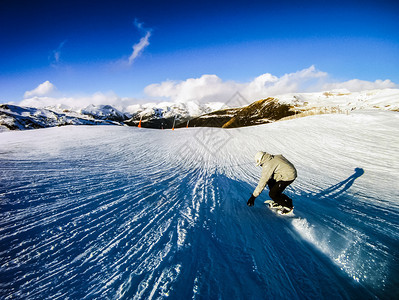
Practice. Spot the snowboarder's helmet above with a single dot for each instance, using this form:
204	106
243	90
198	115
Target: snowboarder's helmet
258	157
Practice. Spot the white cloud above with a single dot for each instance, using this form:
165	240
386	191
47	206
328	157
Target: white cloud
56	54
141	45
43	89
206	88
210	88
266	85
78	102
356	85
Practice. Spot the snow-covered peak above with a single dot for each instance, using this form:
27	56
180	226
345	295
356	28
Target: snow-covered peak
171	109
103	112
386	99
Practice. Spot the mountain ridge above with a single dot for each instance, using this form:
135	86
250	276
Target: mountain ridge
168	115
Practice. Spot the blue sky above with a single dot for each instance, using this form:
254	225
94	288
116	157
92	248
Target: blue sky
85	47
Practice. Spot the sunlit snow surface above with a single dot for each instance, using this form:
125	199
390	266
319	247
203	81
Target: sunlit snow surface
115	212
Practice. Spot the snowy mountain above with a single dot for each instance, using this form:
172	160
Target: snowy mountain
113	212
260	112
385	99
164	115
15	117
299	105
193	114
105	112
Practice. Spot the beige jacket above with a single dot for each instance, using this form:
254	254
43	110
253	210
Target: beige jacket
276	167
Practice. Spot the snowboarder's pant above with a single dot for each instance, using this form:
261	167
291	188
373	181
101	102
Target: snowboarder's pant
276	189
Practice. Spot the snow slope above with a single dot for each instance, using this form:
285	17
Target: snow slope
383	99
121	212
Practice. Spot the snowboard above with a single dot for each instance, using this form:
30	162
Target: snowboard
278	209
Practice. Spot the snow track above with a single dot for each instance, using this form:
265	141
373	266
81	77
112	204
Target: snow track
123	213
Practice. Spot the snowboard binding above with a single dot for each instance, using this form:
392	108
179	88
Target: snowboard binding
281	210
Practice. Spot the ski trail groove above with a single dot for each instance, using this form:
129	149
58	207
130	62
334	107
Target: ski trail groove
122	213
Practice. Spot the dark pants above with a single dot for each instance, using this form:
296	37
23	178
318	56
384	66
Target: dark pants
276	189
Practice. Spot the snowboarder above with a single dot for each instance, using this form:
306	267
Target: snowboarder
277	173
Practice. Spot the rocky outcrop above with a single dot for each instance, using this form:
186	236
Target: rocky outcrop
260	112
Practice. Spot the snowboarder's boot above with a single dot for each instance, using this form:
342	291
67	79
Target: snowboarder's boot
274	205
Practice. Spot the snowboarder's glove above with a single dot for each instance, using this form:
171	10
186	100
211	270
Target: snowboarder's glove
251	201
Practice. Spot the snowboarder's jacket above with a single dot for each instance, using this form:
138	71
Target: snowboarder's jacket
276	167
